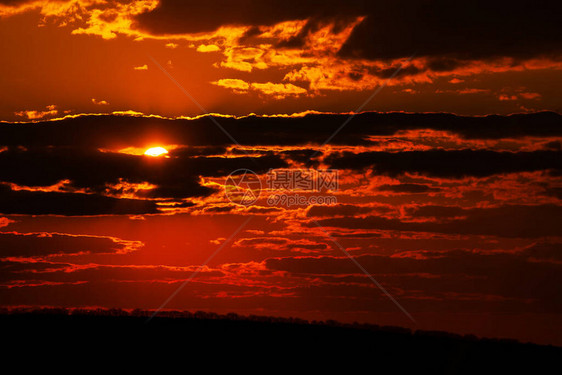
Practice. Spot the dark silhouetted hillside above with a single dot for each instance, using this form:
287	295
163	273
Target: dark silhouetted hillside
120	338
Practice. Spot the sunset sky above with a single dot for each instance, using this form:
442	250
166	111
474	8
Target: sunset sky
442	119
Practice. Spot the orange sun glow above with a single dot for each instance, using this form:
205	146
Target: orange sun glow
156	151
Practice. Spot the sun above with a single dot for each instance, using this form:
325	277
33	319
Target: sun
156	151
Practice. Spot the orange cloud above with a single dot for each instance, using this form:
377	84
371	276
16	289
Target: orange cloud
61	186
4	222
530	95
99	102
237	85
507	97
35	115
208	48
276	90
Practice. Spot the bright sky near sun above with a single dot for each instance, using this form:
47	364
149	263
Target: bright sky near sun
156	151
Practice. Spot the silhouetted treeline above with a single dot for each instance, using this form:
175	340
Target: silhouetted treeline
204	315
118	334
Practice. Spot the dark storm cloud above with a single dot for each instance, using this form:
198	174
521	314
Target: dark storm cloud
408	188
445	30
102	173
95	170
504	221
45	153
114	132
11	269
450	164
29	245
70	204
178	17
396	72
175	177
197	151
39	272
435	211
466	30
